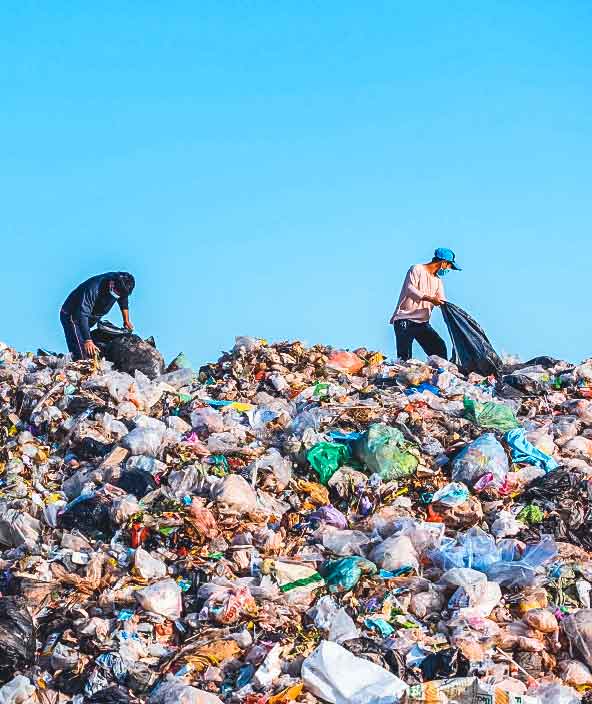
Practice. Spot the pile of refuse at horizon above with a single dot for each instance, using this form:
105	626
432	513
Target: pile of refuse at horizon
293	524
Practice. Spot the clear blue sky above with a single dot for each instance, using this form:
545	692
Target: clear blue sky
273	168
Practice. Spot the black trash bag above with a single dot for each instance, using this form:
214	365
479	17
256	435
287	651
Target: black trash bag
17	637
544	361
137	482
128	352
110	695
89	449
444	664
529	387
90	516
471	350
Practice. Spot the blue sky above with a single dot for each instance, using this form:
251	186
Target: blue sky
273	169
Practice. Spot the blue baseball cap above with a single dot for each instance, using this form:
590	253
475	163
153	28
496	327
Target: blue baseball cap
446	255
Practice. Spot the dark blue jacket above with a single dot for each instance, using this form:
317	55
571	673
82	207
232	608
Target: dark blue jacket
93	299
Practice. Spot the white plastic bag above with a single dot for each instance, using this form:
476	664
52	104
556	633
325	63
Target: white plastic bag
162	598
342	628
148	567
336	676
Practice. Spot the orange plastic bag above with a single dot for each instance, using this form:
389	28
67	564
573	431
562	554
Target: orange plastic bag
345	361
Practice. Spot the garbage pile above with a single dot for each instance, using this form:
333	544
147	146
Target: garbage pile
293	524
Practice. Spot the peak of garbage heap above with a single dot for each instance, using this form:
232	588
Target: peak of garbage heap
294	523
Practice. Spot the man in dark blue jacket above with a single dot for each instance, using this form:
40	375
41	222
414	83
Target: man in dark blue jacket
88	303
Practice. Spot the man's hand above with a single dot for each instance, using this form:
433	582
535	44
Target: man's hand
433	300
90	348
127	323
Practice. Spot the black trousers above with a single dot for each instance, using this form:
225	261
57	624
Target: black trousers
430	342
73	336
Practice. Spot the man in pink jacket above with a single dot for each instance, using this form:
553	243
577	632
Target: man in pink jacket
422	290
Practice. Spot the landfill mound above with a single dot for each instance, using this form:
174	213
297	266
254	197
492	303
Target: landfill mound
295	524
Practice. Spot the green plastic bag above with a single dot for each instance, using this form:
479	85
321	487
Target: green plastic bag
326	458
493	415
531	514
343	575
384	451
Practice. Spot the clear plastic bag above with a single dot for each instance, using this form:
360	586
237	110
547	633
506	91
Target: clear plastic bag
143	441
207	419
578	630
395	553
178	378
175	691
474	548
18	691
344	542
484	457
235	493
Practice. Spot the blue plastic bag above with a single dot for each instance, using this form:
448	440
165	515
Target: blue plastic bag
525	451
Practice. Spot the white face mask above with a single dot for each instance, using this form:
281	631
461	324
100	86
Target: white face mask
115	295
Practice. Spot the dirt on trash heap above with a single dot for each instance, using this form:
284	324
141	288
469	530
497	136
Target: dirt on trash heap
295	524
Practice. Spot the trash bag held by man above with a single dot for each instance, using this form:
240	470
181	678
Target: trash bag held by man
127	351
472	351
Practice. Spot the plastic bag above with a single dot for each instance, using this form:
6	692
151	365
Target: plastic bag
471	350
18	691
127	351
178	378
555	693
542	439
345	361
575	673
143	441
345	542
524	451
17	636
484	456
395	553
175	691
162	598
578	630
505	525
541	620
474	548
203	519
235	493
329	515
336	676
342	628
147	566
18	529
326	458
424	603
343	575
452	494
496	416
524	571
136	482
383	450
